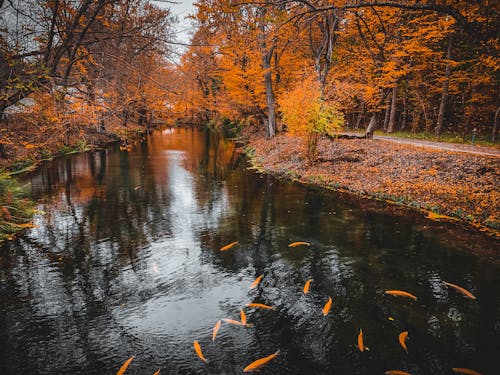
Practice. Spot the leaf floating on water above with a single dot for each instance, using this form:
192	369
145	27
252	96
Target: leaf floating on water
227	247
258	364
327	307
197	349
307	285
396	372
402	340
400	293
260	305
299	243
216	329
467	371
465	292
125	365
256	282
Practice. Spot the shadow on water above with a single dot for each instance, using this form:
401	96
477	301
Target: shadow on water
124	261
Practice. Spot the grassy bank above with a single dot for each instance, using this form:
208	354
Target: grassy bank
442	185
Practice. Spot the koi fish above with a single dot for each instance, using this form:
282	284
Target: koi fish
256	282
243	317
295	244
327	307
232	321
197	349
307	285
396	372
461	290
402	338
157	372
125	365
465	371
227	247
400	293
361	346
391	318
215	330
260	305
256	365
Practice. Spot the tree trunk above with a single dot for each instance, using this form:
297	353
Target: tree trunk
372	126
495	125
403	115
360	116
392	116
268	81
446	85
386	116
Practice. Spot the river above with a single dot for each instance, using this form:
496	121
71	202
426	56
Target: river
124	260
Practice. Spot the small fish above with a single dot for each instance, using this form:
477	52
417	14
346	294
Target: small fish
227	247
390	318
260	305
232	321
197	349
256	282
295	244
125	365
396	372
256	365
400	293
157	372
137	188
461	290
402	338
243	317
215	330
465	371
154	267
327	307
307	285
361	345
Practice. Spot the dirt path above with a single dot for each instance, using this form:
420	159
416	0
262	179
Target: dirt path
455	147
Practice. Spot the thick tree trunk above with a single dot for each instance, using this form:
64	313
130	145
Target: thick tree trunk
444	94
495	125
372	126
392	116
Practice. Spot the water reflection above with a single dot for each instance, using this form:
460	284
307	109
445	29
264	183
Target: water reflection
124	261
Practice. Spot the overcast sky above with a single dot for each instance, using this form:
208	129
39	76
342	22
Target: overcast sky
181	9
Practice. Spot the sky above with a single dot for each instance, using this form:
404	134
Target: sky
181	9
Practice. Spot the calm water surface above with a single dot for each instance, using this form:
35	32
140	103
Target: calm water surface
124	261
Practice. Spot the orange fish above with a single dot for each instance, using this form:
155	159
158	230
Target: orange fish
295	244
361	346
402	338
243	317
400	293
327	307
215	330
461	290
256	282
465	371
157	372
125	365
227	247
307	285
260	305
232	321
197	349
396	372
256	365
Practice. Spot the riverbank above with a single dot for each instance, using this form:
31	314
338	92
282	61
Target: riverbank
441	184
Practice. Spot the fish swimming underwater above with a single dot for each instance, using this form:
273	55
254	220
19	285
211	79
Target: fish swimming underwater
299	243
216	329
256	282
402	340
327	307
260	305
400	293
465	292
256	365
307	286
227	247
197	349
125	365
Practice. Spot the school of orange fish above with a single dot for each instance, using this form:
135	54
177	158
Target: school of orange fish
261	362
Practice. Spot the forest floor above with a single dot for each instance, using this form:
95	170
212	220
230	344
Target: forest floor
446	184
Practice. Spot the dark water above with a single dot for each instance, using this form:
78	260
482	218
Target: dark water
124	261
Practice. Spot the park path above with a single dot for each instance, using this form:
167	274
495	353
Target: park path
455	147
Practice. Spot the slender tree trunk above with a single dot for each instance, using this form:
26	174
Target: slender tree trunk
392	116
403	115
386	116
372	126
268	81
495	125
360	116
446	85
